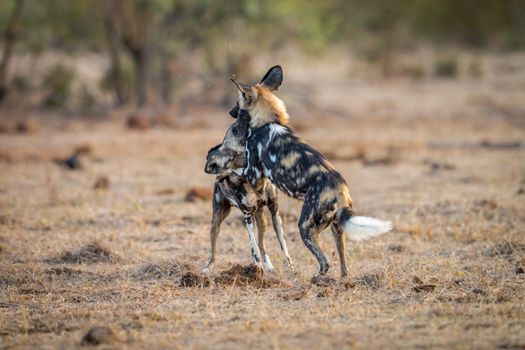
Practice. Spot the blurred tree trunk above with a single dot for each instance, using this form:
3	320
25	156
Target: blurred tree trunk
134	22
166	55
115	72
167	80
10	37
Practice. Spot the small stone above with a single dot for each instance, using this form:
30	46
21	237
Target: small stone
99	335
424	288
417	280
324	293
29	126
198	193
102	183
479	291
323	281
138	122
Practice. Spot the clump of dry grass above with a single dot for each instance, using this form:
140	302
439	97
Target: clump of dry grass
504	247
236	276
91	253
192	279
244	276
323	281
294	293
101	183
64	271
172	270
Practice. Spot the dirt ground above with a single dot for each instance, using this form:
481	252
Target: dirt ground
443	159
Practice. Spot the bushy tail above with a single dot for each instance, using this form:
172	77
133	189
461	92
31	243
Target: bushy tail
360	228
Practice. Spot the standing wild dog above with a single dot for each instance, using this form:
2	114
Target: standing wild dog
273	151
231	189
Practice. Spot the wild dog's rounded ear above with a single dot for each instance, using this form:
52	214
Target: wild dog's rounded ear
273	78
234	112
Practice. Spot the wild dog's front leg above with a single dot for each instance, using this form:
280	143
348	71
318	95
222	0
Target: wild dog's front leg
256	253
278	227
261	230
221	209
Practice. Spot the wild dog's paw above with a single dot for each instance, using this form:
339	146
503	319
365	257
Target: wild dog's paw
267	264
207	268
288	264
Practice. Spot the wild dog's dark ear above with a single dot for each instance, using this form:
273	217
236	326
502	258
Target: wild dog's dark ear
235	110
273	78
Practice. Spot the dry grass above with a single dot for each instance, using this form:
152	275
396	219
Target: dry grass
128	257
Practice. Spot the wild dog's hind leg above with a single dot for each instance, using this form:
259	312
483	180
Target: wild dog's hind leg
221	209
256	253
310	234
316	215
278	227
261	230
339	237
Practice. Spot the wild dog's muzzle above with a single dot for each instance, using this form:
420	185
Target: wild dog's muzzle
223	160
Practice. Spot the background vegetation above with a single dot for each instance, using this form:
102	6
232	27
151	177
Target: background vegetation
154	46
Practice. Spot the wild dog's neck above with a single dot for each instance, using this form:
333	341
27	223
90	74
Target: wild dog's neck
233	175
268	109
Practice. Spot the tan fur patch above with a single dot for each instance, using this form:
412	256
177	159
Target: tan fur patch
328	194
314	169
290	159
344	199
267	108
280	141
251	198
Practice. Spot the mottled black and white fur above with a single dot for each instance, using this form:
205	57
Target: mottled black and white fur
275	152
233	190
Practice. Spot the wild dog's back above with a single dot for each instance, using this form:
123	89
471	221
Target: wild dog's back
275	152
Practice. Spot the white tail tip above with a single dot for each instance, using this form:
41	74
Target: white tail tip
360	228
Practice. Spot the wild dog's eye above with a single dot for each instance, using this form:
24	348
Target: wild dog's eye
235	132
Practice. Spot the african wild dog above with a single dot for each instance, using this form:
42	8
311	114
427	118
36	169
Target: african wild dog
231	189
273	151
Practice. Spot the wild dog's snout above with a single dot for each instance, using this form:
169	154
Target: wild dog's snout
211	166
234	112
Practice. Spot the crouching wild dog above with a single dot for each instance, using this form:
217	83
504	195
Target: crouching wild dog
231	189
273	151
